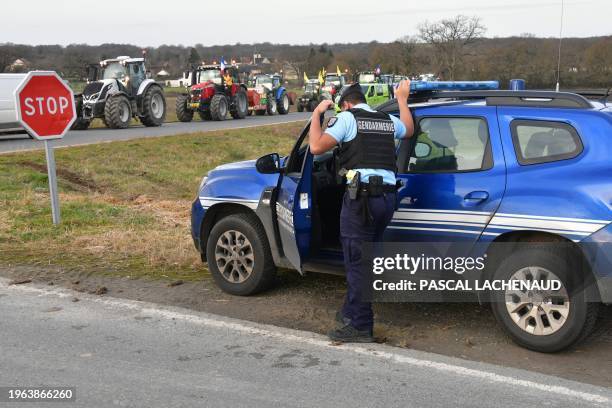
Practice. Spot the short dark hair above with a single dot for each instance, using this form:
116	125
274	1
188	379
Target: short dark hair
354	98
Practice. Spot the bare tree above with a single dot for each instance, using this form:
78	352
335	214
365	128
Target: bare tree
450	38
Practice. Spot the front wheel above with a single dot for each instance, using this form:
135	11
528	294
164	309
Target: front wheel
218	107
283	103
183	112
544	320
239	256
80	123
300	107
117	112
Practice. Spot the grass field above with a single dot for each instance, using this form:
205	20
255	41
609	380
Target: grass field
125	205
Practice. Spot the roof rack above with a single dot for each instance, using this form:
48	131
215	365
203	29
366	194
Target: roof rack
598	94
540	99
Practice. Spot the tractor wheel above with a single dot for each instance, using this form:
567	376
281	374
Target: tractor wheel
80	123
312	105
271	108
117	112
183	113
153	107
260	112
218	107
300	107
204	115
283	103
241	105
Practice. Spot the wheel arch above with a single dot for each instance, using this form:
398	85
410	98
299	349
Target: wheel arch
215	213
499	253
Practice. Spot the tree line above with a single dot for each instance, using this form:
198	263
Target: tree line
453	49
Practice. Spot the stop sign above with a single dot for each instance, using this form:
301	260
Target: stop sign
45	105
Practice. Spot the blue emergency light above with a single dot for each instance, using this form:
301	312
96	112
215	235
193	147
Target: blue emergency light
430	86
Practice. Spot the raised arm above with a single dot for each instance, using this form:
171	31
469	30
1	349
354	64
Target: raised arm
402	94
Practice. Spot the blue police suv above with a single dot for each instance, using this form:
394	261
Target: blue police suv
484	167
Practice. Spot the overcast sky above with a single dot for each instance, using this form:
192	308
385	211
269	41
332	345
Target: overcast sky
155	22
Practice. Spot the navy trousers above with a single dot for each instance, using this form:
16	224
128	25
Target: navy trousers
354	231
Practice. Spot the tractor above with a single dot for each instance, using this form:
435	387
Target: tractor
311	97
118	90
267	94
332	85
214	92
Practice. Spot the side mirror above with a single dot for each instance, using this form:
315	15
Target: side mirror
268	164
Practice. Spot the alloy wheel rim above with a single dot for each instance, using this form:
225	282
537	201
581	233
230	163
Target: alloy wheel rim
234	256
538	312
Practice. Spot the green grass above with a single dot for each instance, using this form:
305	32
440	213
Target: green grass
124	205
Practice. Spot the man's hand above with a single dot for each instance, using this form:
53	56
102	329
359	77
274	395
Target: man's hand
323	106
403	90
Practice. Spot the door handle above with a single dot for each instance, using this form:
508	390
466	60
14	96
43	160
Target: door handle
476	197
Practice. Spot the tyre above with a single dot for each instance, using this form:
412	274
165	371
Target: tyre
260	112
549	320
283	103
153	107
218	107
241	105
312	105
271	107
239	256
204	115
117	112
300	107
80	123
183	113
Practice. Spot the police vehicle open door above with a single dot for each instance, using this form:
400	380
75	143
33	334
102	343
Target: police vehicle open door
294	202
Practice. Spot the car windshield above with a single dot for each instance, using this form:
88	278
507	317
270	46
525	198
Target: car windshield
213	75
114	70
366	78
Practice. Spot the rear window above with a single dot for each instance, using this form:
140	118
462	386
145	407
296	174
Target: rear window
543	142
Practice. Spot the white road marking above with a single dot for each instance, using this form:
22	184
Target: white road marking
373	351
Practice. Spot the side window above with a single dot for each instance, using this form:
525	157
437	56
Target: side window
371	91
449	145
542	142
379	90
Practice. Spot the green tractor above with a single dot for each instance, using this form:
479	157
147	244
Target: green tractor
311	97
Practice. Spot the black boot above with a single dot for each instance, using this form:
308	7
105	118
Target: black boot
341	319
349	334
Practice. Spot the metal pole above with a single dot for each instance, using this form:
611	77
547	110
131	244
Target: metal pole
55	208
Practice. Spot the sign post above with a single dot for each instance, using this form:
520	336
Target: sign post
45	108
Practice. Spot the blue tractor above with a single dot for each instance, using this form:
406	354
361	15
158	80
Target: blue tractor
274	92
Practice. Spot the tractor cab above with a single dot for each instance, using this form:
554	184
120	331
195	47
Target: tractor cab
367	77
333	83
130	72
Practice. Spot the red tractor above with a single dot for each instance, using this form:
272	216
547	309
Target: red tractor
213	94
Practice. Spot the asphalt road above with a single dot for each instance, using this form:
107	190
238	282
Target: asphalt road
134	354
20	142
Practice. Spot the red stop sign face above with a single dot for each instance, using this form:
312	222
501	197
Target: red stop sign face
45	105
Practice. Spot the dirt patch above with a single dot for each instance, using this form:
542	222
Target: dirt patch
67	175
466	331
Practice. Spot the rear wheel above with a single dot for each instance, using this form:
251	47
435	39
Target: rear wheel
218	107
544	320
153	107
117	112
283	105
183	113
239	256
241	105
